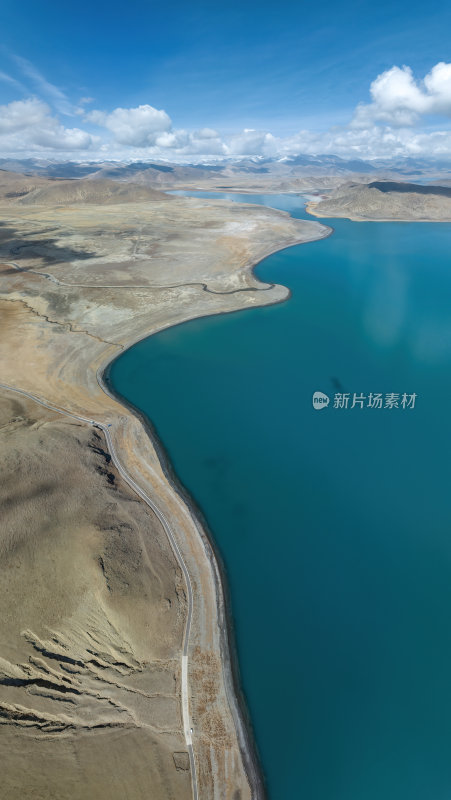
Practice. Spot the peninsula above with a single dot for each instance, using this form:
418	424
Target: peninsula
386	200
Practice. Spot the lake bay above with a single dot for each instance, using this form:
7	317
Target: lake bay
334	524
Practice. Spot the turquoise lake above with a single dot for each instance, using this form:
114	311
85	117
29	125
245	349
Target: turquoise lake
334	524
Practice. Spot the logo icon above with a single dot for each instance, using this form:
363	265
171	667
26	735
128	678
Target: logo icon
320	400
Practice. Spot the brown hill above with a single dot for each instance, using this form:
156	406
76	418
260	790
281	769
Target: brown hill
14	185
101	192
385	200
34	190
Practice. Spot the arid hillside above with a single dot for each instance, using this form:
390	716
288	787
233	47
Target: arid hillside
92	621
32	190
385	200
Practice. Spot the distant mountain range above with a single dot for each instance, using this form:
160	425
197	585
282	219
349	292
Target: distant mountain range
227	174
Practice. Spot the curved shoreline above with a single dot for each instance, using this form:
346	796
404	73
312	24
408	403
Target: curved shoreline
228	649
229	654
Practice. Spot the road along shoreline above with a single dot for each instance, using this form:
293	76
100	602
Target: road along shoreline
229	655
228	652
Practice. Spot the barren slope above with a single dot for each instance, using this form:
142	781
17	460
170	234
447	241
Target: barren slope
91	623
33	190
385	200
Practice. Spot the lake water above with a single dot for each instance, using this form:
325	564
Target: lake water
334	524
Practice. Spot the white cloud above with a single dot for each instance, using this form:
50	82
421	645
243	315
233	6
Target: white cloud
438	86
389	125
251	142
398	99
146	127
28	126
22	114
205	142
171	139
137	127
206	133
377	141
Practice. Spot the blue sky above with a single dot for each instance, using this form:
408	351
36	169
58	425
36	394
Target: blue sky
275	68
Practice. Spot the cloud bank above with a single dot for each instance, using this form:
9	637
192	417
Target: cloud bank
144	126
28	126
406	116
